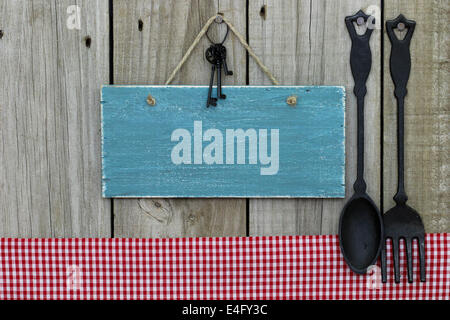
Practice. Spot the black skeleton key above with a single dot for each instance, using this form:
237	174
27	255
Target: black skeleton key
223	57
221	63
216	54
213	58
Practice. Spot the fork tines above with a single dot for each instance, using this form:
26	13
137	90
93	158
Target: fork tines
409	257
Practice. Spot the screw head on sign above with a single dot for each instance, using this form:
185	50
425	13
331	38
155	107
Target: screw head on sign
401	26
151	101
292	101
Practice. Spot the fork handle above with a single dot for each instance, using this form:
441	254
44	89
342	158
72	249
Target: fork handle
400	67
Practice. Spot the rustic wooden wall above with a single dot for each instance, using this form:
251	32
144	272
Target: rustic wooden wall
427	114
50	122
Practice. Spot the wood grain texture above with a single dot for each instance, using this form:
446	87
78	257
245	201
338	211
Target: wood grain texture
306	43
253	144
50	120
427	114
148	57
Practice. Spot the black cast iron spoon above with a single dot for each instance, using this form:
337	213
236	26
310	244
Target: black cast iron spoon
360	224
402	221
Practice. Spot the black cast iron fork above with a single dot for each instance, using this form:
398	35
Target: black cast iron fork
402	222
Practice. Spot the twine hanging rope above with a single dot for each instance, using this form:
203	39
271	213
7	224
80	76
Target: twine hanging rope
241	40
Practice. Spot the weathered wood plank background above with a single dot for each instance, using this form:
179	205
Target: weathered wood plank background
49	119
50	173
427	115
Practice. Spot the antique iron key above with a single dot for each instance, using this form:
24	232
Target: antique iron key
216	54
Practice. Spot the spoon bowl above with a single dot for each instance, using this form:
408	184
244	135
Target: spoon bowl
360	233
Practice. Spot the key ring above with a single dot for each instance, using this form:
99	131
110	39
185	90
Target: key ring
218	20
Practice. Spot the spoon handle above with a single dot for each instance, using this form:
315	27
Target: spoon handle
400	67
360	63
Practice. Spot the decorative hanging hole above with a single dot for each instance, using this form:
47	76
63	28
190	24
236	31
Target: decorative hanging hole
292	101
151	101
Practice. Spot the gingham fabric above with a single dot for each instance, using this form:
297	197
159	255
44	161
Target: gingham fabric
285	267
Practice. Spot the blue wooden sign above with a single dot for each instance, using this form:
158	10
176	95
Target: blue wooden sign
253	144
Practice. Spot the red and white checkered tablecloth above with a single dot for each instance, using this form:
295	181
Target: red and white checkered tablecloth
284	267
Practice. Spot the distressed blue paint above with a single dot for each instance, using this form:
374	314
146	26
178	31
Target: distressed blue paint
136	141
